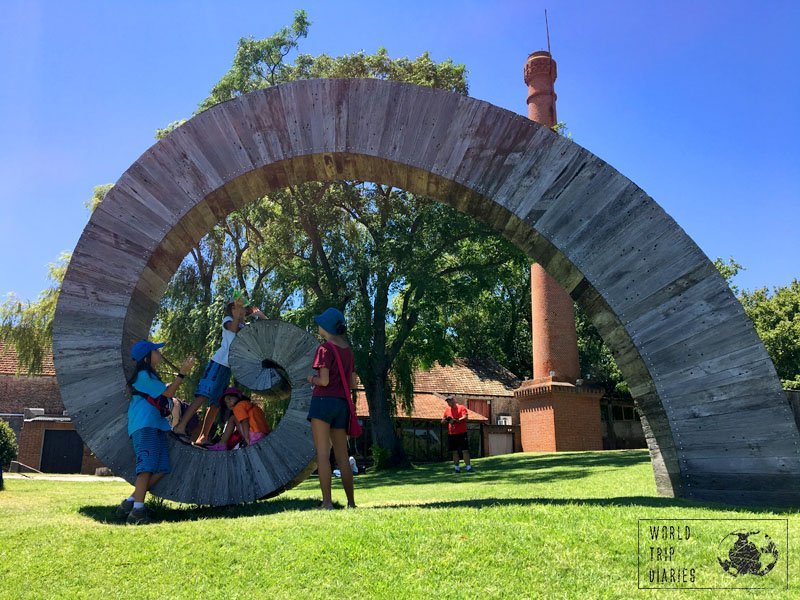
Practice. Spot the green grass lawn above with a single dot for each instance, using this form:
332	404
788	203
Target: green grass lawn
523	526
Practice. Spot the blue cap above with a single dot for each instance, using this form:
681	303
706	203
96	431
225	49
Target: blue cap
329	320
143	348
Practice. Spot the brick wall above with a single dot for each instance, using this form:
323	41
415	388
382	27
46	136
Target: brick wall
577	421
557	417
32	442
19	393
537	427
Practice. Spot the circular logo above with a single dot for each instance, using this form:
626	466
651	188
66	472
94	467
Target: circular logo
747	553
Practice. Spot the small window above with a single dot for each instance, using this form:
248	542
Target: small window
617	413
628	413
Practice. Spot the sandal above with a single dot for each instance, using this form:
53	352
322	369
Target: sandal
182	437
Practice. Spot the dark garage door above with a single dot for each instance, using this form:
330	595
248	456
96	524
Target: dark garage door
62	451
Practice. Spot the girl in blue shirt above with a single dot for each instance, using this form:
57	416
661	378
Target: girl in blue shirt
147	425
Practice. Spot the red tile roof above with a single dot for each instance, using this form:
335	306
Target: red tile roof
426	406
468	377
9	362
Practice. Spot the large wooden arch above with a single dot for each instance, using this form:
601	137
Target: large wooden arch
717	422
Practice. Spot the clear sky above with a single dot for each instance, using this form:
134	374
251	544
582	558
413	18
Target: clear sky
697	102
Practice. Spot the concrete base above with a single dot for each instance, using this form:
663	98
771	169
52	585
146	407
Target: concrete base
559	417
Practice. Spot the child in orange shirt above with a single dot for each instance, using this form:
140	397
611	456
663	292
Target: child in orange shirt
248	419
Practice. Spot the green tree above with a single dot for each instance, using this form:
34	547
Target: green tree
28	325
776	317
729	269
8	448
495	320
596	361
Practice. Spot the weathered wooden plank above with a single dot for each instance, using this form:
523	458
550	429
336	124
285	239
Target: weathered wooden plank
593	187
220	145
699	344
745	364
185	462
725	444
133	201
183	158
788	464
768	498
635	269
753	423
732	402
704	306
263	479
751	482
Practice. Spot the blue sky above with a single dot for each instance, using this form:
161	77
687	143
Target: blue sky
696	102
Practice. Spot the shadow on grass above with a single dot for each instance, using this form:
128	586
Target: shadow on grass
629	501
163	513
514	469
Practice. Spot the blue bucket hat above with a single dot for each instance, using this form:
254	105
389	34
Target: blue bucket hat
329	320
143	348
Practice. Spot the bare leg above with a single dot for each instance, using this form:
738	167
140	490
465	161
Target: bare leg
322	442
466	457
154	479
227	431
141	486
208	421
180	428
339	439
455	458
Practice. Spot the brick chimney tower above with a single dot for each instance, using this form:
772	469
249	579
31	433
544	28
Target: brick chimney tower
555	343
554	413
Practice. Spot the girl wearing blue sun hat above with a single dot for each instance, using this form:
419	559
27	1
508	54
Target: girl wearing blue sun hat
330	402
147	425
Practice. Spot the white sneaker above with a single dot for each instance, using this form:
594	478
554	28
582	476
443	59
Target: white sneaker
458	470
469	469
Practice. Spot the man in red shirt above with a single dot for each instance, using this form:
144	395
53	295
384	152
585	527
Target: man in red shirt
455	415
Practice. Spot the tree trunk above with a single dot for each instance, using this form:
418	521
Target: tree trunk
384	433
1	479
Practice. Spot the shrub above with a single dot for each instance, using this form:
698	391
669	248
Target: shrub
381	457
8	445
8	448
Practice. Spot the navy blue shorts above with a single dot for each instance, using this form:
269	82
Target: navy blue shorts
152	452
215	379
334	411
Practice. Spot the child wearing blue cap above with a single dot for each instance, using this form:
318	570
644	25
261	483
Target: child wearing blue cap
147	424
217	374
330	411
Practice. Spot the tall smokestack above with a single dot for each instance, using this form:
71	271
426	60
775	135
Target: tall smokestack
554	414
555	342
540	77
